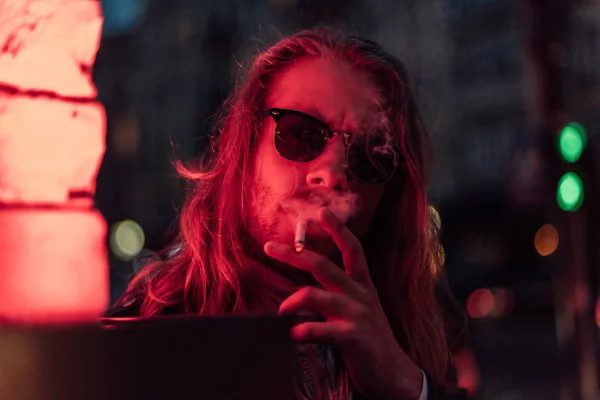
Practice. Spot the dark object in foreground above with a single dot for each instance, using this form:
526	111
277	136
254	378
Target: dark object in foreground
159	358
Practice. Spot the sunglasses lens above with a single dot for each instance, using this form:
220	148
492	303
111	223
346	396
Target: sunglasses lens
299	138
372	159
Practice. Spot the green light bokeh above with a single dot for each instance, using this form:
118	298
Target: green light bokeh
570	192
572	141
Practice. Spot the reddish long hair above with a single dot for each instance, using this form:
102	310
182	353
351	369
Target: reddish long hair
208	274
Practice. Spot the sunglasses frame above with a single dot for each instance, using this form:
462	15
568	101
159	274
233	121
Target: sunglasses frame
278	113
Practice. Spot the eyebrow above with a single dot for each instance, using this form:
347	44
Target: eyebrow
313	111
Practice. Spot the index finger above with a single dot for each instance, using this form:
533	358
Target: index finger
329	275
355	262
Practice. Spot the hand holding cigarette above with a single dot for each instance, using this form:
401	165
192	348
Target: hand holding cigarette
353	319
305	208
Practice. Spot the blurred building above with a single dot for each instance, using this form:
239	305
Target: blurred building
488	91
466	63
417	32
583	90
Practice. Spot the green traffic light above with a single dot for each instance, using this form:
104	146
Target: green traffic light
571	141
570	192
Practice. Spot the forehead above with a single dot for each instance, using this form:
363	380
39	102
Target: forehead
333	91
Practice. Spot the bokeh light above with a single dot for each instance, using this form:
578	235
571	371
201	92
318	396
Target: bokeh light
571	142
435	217
546	240
570	192
126	239
480	303
504	302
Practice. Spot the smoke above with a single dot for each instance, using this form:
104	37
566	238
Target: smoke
380	137
306	204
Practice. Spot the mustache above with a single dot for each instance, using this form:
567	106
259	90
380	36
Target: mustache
322	197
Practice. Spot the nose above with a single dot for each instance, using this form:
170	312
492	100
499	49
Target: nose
329	170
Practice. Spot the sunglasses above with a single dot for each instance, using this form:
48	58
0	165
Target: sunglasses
300	137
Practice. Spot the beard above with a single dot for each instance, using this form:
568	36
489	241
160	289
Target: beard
266	222
263	217
269	221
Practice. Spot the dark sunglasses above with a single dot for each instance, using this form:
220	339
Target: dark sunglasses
300	137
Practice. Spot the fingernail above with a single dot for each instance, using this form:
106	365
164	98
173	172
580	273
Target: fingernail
271	247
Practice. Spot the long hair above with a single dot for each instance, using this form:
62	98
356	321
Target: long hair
210	271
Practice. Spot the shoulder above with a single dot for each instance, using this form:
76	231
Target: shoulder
144	258
130	304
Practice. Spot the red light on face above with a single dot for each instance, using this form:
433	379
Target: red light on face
480	303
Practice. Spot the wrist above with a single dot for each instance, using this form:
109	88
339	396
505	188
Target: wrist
410	383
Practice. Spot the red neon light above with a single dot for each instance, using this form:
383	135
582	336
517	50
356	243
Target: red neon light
53	264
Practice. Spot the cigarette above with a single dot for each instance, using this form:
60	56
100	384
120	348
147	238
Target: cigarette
300	236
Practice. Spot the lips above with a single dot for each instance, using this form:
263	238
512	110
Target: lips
317	198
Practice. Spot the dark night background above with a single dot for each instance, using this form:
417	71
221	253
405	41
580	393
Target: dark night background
165	66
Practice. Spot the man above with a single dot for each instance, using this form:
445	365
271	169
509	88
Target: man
324	135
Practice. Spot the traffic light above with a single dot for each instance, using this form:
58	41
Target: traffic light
572	140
